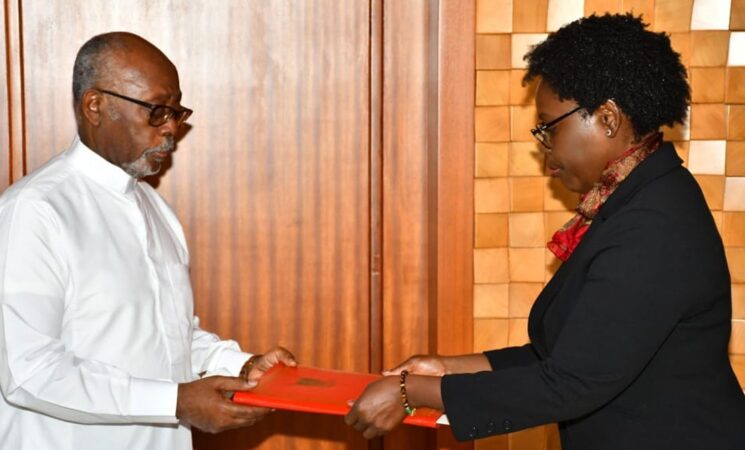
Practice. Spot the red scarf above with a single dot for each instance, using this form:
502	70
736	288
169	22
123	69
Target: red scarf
568	237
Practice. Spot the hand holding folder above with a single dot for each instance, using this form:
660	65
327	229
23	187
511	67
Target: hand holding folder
321	391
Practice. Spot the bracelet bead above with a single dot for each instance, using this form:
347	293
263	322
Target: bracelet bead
404	398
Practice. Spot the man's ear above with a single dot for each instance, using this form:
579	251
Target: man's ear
90	106
610	117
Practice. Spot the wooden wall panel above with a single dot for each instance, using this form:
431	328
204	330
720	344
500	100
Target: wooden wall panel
376	187
409	143
407	147
283	233
455	167
271	182
51	33
5	146
14	101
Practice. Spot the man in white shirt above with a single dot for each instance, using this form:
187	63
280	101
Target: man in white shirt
99	347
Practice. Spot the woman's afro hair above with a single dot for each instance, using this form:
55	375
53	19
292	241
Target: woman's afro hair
598	58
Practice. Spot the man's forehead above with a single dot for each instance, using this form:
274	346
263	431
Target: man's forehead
142	57
145	72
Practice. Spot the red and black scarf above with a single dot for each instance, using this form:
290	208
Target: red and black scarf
568	237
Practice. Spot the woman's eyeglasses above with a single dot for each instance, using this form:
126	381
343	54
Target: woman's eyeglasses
159	114
542	132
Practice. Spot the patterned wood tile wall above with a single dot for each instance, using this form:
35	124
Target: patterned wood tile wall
517	207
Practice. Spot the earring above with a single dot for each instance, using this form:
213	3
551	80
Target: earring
608	132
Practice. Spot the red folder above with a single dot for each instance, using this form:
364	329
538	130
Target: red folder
312	390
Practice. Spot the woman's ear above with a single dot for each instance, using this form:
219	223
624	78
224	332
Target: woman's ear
610	117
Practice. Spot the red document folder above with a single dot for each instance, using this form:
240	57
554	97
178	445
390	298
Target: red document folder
312	390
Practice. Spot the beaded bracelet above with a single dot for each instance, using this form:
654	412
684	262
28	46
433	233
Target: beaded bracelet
404	399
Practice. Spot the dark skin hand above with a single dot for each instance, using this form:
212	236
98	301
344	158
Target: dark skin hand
267	361
442	365
203	404
206	405
380	409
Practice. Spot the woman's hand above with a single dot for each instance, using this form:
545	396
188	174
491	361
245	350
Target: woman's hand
434	365
421	365
379	408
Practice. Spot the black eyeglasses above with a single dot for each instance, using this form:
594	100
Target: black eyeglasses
542	132
159	114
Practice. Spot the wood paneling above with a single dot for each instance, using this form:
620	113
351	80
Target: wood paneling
455	172
409	144
408	103
271	182
5	144
376	187
284	229
14	102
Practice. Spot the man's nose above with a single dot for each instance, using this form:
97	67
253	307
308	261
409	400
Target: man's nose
169	127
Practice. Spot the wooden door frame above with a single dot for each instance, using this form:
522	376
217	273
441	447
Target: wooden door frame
449	182
422	61
454	187
15	103
440	139
453	304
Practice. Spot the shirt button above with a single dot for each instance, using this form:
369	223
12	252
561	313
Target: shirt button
474	432
507	425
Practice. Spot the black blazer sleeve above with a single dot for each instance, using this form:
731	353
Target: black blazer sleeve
511	357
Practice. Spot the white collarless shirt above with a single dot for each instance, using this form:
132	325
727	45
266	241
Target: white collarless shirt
96	312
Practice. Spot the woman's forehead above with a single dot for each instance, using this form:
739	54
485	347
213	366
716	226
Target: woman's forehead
548	101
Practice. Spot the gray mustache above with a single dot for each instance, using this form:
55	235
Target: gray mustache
167	146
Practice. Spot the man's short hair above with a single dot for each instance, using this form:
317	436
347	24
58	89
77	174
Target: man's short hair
92	62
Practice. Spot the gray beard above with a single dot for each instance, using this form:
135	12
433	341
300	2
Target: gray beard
140	167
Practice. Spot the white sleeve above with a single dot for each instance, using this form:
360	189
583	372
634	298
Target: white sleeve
37	372
211	355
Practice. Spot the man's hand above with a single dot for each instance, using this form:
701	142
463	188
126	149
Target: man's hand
204	404
256	367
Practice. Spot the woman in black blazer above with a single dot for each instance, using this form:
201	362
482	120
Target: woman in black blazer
629	338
